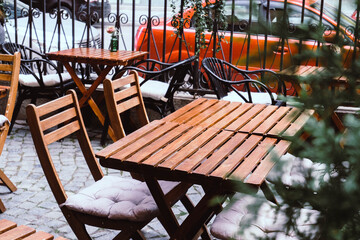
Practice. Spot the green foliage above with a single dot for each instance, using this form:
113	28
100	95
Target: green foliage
207	14
335	191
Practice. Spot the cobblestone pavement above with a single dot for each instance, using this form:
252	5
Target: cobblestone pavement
33	203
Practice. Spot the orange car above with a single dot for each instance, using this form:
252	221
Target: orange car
279	54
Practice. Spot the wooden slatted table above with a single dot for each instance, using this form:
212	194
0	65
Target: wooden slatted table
260	119
102	61
292	75
10	231
214	143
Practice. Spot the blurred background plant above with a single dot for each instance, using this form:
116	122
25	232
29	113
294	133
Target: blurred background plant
2	22
333	192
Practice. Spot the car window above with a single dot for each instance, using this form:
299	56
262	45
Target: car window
242	16
293	21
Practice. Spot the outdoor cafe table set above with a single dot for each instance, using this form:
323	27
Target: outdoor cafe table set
213	143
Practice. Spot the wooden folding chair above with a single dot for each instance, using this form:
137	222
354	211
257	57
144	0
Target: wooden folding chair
124	94
9	76
128	206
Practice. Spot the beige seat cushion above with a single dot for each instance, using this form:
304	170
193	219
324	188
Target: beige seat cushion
117	198
294	171
49	80
252	217
155	90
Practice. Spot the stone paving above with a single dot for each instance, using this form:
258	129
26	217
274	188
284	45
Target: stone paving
33	203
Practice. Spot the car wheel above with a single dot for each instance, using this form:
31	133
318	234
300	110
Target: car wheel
66	12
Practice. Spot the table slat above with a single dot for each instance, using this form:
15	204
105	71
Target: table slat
218	116
144	140
124	142
152	143
234	160
298	124
204	150
187	149
251	161
257	119
173	116
245	117
217	157
271	121
187	116
231	116
265	166
285	122
207	113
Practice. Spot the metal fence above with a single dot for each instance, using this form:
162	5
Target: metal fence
257	34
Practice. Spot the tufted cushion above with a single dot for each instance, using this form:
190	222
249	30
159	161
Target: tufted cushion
154	89
294	171
49	80
257	97
117	198
3	120
257	218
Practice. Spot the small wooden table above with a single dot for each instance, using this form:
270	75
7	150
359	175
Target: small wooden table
293	73
197	151
102	61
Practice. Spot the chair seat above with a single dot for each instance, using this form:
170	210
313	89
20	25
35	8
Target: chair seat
49	80
259	221
118	199
3	120
155	90
294	171
257	97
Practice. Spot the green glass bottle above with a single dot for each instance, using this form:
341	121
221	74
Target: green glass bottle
114	43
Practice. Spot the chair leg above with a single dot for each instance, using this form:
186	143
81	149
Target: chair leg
7	182
77	227
2	207
16	112
105	130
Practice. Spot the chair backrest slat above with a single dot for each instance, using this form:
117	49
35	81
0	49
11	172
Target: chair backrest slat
125	93
6	67
61	132
58	119
53	106
5	77
126	105
122	82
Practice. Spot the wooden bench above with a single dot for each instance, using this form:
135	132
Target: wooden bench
10	231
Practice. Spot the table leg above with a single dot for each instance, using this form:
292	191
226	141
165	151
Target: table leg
201	214
167	217
87	94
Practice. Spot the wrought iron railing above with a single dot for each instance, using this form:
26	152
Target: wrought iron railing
258	34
